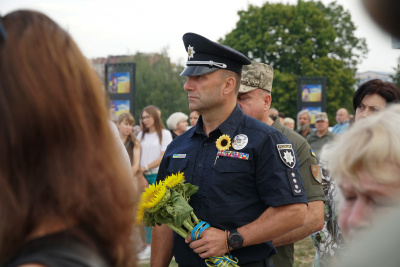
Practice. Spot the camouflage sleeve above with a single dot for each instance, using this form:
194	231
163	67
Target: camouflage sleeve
329	241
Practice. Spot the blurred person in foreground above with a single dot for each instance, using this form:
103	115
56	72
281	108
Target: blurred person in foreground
303	123
384	235
177	123
367	171
66	197
370	98
255	99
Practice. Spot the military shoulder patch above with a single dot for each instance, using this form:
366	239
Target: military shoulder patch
287	154
316	172
294	181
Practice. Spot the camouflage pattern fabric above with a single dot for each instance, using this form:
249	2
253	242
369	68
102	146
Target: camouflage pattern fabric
328	242
256	75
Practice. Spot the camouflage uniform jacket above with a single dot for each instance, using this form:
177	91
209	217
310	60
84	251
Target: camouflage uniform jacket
329	241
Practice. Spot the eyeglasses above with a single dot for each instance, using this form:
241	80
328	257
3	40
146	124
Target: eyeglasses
145	117
3	33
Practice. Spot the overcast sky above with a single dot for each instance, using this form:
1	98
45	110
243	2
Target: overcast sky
118	27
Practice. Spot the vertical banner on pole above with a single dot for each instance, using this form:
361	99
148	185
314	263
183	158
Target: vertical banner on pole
120	86
311	95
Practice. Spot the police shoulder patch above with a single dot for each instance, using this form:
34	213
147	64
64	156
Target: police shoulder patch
294	181
286	154
316	172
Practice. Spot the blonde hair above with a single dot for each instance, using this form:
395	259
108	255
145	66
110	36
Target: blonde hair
370	145
288	120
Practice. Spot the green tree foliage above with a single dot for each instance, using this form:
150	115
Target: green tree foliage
308	39
158	83
396	76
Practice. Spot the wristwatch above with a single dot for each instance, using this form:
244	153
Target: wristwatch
235	240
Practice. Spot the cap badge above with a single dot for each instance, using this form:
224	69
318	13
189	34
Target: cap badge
287	155
191	52
240	141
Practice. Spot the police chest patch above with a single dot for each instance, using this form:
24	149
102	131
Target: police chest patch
287	154
316	172
294	181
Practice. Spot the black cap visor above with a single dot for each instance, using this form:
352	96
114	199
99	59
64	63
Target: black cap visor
198	70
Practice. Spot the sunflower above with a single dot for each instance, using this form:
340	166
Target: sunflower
223	142
174	179
152	195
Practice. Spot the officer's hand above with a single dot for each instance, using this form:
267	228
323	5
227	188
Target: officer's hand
212	242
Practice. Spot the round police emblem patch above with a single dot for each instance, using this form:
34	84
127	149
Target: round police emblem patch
240	141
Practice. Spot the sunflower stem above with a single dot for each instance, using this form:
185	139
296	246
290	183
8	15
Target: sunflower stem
179	231
196	220
188	224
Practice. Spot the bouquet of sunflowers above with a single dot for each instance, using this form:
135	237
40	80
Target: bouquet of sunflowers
166	202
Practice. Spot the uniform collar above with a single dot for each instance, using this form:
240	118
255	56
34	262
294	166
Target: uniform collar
228	127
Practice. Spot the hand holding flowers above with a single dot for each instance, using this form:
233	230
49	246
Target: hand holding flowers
166	202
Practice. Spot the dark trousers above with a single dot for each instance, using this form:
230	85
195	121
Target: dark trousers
266	263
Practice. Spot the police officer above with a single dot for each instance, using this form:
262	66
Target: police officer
250	190
255	99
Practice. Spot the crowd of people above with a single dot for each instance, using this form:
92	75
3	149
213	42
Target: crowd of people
70	178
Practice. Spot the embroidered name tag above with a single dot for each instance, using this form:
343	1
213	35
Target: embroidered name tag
233	154
179	156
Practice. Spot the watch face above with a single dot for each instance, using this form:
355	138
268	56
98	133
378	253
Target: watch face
235	240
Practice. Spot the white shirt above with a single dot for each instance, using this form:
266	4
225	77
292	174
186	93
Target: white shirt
151	147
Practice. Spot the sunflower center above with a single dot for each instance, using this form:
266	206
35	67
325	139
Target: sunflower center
224	142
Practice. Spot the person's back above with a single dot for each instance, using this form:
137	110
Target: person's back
63	188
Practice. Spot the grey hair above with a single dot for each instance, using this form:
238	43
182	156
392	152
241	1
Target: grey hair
304	111
174	119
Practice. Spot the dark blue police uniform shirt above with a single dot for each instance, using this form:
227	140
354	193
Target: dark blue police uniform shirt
232	192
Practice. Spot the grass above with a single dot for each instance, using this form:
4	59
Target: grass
304	253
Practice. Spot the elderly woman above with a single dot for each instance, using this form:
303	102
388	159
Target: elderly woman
65	197
370	98
177	124
367	171
289	122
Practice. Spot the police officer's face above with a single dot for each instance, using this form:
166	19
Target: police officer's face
204	91
363	205
253	104
370	105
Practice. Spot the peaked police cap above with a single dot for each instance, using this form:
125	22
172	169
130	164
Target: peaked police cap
206	56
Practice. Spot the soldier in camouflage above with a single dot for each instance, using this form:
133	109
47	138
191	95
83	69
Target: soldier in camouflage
255	99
